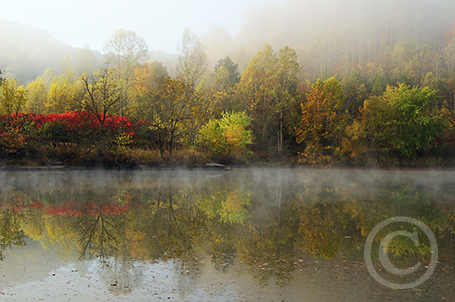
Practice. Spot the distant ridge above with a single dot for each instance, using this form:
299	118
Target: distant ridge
26	52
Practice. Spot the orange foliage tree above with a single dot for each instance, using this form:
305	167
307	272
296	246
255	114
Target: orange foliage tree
323	121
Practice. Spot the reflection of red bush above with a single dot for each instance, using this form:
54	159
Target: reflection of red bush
36	204
77	208
15	204
70	207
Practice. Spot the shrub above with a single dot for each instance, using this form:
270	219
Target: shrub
228	135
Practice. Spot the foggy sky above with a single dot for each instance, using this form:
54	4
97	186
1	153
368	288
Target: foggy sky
160	23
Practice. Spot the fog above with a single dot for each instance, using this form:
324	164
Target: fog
257	233
324	33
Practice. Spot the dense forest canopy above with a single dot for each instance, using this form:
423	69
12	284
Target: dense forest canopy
313	82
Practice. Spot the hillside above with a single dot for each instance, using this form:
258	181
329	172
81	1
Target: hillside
27	52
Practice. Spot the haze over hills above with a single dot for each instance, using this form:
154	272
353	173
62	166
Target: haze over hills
330	37
27	52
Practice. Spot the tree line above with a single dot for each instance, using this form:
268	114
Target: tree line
374	115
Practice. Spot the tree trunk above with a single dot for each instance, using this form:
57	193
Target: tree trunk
280	134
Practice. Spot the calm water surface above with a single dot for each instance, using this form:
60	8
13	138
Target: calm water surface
243	235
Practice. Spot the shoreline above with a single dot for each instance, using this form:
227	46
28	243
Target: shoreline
211	167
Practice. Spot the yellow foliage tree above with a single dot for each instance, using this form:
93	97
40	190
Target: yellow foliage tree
65	94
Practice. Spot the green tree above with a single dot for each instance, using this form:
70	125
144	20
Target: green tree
413	59
228	135
221	81
403	120
231	68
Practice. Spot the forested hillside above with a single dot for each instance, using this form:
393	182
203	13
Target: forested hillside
315	83
27	52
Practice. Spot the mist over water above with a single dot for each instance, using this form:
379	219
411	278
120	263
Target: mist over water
222	235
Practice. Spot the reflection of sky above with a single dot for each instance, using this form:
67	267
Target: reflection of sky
29	270
35	273
44	278
23	263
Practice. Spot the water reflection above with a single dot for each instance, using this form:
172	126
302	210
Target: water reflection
273	224
11	233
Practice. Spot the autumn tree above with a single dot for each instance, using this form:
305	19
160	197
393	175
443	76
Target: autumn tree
124	51
267	90
255	91
413	60
13	96
167	108
48	76
355	93
11	233
37	95
191	60
102	93
65	94
144	81
323	121
286	90
86	60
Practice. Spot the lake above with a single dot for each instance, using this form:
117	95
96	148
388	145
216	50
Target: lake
242	235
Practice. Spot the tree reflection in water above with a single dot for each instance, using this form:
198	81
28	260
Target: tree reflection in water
265	223
11	216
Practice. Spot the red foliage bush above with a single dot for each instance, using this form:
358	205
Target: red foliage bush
73	126
72	120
